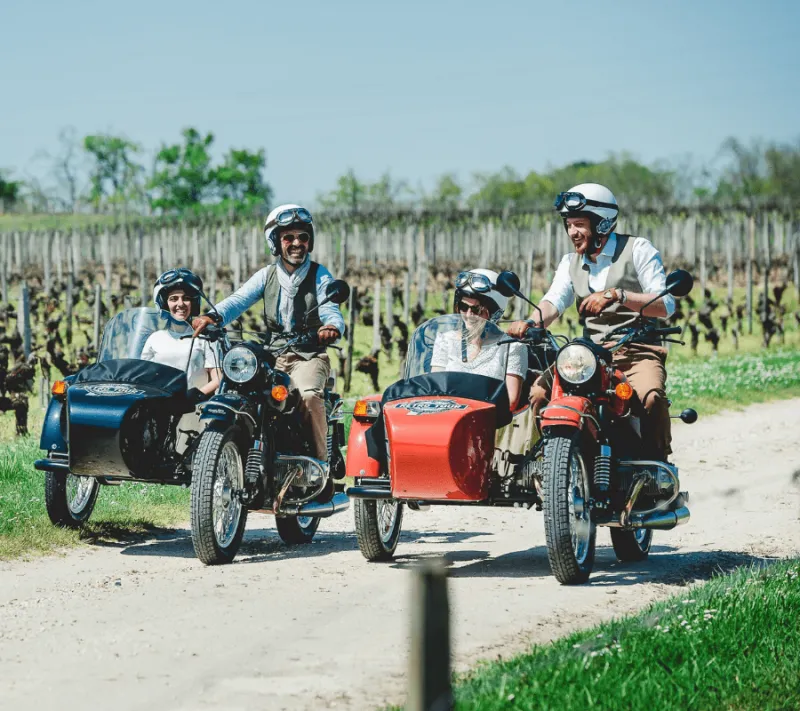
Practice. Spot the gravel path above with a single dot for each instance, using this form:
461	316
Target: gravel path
142	625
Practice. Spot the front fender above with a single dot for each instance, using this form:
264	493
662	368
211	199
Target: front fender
570	411
52	438
227	409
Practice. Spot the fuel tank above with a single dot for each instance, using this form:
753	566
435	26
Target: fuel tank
440	448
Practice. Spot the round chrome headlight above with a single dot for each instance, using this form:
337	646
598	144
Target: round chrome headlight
576	364
240	364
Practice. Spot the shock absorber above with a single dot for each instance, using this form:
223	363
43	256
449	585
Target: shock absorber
255	462
602	470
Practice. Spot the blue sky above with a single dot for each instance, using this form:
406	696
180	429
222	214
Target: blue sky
416	88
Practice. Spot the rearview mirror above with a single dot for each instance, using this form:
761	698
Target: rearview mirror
337	291
679	282
507	284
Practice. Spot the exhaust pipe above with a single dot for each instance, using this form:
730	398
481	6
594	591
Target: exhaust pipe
338	503
663	520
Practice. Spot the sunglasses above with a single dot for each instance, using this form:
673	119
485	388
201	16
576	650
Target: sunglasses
303	238
476	309
287	217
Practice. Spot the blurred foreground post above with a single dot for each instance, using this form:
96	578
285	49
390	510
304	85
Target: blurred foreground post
429	658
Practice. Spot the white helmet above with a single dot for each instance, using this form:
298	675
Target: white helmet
590	200
286	216
481	284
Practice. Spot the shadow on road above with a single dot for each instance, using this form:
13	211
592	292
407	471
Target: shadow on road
669	566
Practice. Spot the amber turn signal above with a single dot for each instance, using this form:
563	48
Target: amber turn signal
367	410
280	393
624	391
59	388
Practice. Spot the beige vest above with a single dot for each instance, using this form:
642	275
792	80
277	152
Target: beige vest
621	274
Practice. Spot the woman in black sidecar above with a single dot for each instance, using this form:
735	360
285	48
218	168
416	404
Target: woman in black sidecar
130	416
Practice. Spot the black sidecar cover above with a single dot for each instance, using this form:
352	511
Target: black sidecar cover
118	415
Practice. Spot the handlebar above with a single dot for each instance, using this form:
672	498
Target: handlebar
672	330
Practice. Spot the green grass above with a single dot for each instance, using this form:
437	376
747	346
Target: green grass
727	382
730	643
120	511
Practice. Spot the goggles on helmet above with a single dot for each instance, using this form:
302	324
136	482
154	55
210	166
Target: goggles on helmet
173	276
287	217
479	283
577	201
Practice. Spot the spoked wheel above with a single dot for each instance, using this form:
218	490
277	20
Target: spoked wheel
69	499
218	516
297	529
568	527
631	546
378	526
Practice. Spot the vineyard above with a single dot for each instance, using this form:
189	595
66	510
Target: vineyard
59	286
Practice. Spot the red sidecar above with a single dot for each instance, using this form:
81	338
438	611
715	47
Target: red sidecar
441	434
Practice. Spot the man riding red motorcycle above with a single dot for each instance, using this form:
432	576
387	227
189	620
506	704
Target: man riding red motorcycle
613	278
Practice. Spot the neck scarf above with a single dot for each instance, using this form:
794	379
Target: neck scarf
290	284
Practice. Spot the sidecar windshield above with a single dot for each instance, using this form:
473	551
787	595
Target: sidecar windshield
125	335
460	343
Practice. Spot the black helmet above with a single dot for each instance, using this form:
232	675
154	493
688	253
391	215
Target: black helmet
181	278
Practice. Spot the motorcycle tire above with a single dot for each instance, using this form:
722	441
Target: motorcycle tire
297	529
631	546
218	471
569	530
66	507
378	528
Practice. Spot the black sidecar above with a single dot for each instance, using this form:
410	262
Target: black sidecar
117	420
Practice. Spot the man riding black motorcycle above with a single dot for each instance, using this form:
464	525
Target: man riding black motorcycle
292	287
611	277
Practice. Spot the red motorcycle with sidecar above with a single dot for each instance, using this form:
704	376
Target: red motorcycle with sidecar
441	436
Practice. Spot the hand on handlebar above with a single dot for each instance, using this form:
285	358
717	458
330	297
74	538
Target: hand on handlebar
518	329
201	323
327	335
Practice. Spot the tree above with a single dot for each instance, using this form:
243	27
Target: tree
351	194
239	182
9	192
66	167
113	173
446	195
182	177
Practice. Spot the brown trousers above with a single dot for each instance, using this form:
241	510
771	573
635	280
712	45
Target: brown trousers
644	367
309	377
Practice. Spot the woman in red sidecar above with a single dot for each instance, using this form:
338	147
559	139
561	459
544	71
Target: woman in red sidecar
430	439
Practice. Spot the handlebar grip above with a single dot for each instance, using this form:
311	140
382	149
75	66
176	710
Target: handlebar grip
534	334
672	330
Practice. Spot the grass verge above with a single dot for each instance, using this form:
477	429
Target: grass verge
120	510
730	643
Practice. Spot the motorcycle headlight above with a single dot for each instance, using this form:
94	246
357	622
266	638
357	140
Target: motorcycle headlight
240	364
576	364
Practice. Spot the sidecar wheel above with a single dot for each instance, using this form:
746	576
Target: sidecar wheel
69	499
378	526
218	516
631	546
568	527
297	529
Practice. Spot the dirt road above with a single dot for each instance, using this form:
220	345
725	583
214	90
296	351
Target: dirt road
143	625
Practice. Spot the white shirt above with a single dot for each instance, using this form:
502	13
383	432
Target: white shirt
167	348
489	361
646	261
